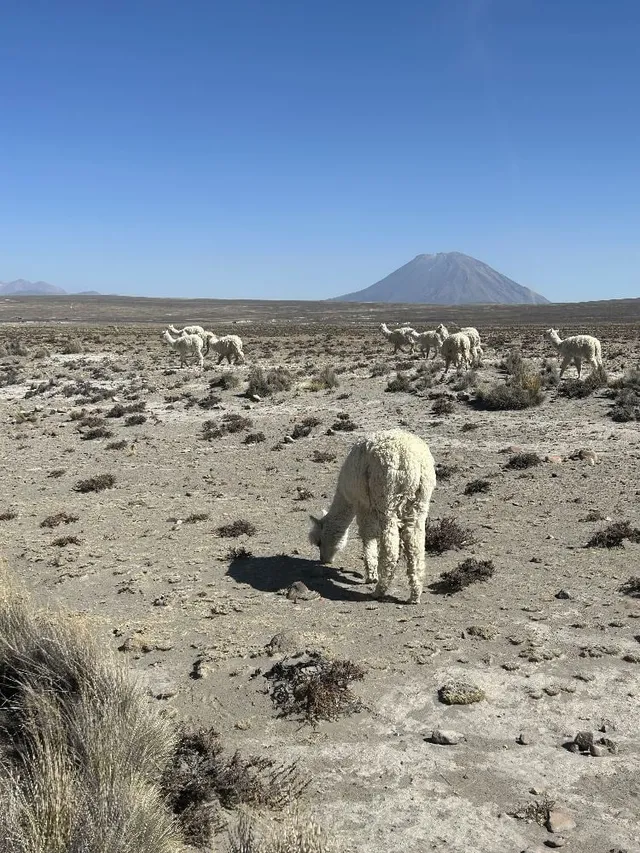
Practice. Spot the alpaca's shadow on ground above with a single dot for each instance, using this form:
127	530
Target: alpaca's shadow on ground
271	574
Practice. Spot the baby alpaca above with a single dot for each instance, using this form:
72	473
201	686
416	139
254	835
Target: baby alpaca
425	341
386	483
576	349
186	345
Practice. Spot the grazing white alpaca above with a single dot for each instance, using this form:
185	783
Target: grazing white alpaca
187	346
576	349
456	349
474	339
188	330
399	337
229	347
425	341
386	483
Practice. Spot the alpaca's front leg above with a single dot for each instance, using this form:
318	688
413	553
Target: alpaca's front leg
578	364
565	363
389	547
368	529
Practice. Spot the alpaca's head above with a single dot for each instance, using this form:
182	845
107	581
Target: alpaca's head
329	541
173	330
167	337
442	331
551	334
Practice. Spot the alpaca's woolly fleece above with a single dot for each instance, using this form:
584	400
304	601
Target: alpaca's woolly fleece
385	483
399	337
229	347
187	346
426	341
456	350
187	330
576	349
474	339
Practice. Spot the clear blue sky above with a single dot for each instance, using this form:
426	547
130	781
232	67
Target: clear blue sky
305	148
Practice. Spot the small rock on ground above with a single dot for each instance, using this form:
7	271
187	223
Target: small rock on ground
446	737
460	693
560	821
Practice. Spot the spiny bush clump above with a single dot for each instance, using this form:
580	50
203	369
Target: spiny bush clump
581	388
58	518
227	380
135	420
240	527
265	383
476	487
445	471
303	429
83	752
119	410
343	423
445	535
254	438
519	461
467	572
230	423
443	406
323	456
522	392
613	535
631	587
315	688
201	778
626	405
95	484
400	382
324	380
297	833
96	432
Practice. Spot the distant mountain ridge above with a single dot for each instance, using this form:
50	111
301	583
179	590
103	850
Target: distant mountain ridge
22	287
446	278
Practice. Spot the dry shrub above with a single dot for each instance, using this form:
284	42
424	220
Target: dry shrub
58	518
72	346
445	471
581	388
522	392
613	535
314	688
264	383
343	423
119	410
230	423
324	380
117	445
135	420
227	380
196	516
240	527
476	487
445	535
96	432
323	456
400	382
380	368
8	515
626	405
83	753
538	811
210	401
95	484
443	406
63	541
254	438
466	380
201	778
467	572
631	587
519	461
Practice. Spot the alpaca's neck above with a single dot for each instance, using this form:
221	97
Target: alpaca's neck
385	331
171	341
555	339
340	515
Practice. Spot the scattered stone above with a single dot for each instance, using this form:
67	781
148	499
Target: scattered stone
289	439
584	741
524	739
200	669
285	642
559	821
446	737
552	690
632	657
242	725
554	458
460	693
511	666
556	841
606	726
299	591
536	694
562	594
485	632
597	750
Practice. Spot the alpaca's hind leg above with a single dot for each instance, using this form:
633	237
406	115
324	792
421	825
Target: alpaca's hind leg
413	534
578	364
389	553
368	529
565	363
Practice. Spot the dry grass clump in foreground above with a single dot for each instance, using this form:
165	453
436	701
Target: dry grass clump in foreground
523	460
82	751
297	833
522	390
95	484
264	383
467	572
239	527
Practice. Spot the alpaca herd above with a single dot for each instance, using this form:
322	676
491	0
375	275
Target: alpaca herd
196	342
387	478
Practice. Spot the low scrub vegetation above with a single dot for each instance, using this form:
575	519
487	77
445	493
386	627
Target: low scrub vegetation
240	527
95	484
445	535
264	383
520	461
613	535
466	573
